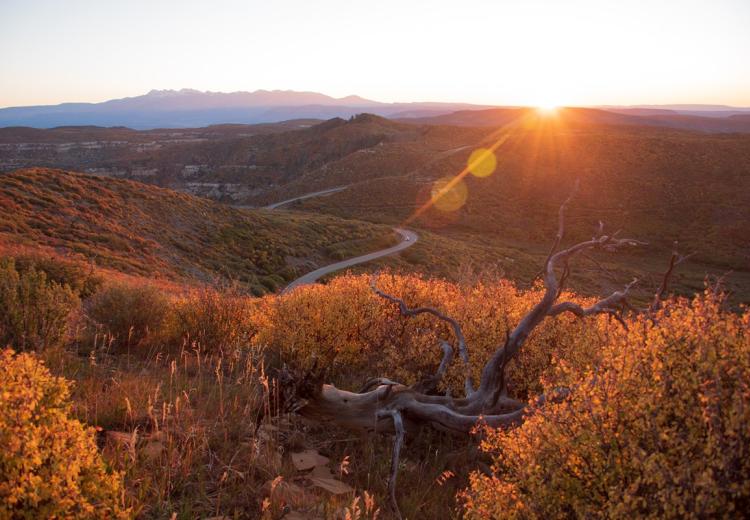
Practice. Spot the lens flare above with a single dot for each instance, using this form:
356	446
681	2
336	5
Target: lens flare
449	194
482	162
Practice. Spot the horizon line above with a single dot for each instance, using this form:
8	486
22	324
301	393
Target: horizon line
187	90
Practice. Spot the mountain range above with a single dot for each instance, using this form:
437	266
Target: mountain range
192	108
187	108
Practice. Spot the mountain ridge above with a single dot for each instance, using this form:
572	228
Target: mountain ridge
188	107
185	108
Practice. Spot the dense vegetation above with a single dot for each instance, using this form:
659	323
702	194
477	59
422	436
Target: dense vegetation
656	427
193	416
33	311
50	466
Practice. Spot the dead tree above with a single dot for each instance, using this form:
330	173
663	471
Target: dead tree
383	405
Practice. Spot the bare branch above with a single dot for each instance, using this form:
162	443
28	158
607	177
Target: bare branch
561	221
375	382
493	373
447	358
674	261
560	226
398	426
406	311
612	304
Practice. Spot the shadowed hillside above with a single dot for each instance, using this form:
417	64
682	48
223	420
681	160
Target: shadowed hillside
236	163
658	184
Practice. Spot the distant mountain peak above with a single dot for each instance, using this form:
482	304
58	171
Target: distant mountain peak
171	92
186	108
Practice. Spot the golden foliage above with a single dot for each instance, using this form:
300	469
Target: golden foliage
659	428
656	423
49	463
216	321
357	334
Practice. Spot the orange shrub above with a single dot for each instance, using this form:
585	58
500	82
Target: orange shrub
214	321
34	312
658	429
49	463
359	335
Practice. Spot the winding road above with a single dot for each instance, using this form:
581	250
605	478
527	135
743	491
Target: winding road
408	239
306	196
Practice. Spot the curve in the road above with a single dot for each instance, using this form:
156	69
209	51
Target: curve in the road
408	239
306	196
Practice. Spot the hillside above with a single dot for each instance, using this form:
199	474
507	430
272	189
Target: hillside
152	232
659	185
710	122
662	185
231	163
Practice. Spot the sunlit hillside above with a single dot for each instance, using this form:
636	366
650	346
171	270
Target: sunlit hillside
141	230
663	186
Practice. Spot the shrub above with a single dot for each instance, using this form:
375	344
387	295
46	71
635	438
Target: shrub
215	321
659	429
34	313
49	463
356	334
75	274
134	315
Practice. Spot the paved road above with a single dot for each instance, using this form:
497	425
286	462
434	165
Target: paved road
408	239
306	196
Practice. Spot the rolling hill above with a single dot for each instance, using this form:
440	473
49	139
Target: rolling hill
147	231
231	163
710	122
660	185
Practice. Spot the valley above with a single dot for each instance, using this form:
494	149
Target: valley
645	179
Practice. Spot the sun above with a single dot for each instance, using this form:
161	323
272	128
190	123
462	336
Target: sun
547	108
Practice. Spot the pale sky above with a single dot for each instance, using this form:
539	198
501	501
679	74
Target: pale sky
501	52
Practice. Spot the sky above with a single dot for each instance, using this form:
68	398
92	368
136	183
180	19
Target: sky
501	52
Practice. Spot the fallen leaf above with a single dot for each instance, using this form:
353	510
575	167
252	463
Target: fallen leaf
331	485
308	459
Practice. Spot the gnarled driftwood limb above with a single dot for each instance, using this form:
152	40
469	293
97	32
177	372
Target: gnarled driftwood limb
383	405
